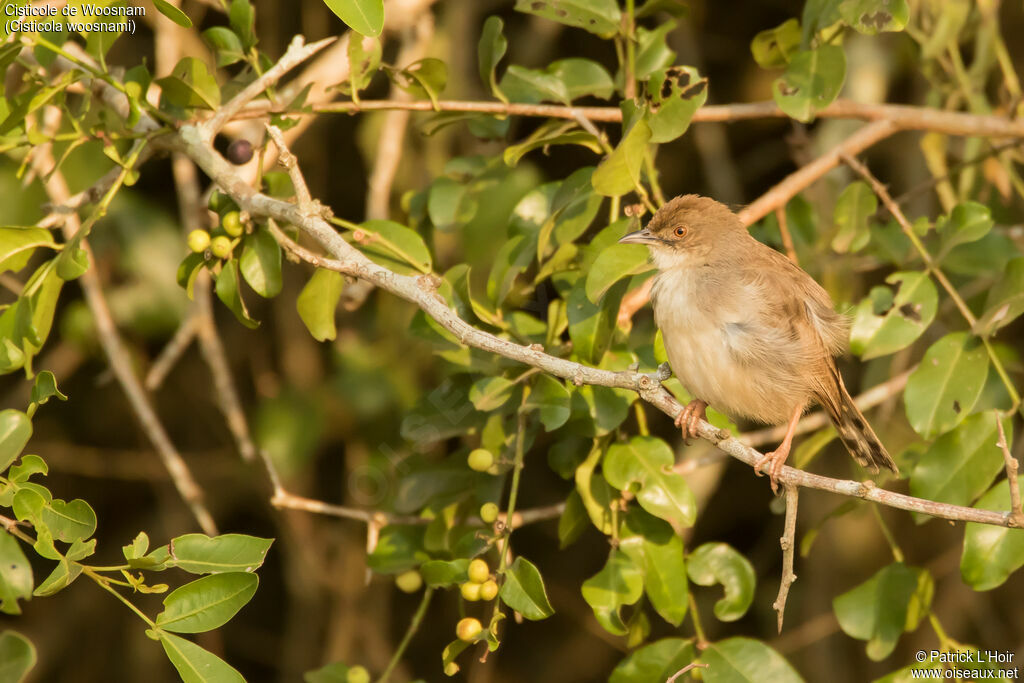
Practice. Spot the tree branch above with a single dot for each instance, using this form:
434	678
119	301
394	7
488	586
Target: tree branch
421	291
904	117
1016	510
788	543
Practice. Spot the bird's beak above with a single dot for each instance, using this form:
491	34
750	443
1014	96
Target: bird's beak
639	237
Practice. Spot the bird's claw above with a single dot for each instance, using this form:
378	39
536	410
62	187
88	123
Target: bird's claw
689	418
775	461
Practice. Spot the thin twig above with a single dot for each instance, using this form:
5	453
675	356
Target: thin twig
119	357
414	626
933	268
1016	510
685	669
904	117
296	53
800	179
788	543
171	353
787	239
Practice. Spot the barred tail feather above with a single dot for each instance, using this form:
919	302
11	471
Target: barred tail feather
854	431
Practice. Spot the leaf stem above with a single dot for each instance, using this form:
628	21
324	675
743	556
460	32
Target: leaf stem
414	626
103	583
702	639
897	553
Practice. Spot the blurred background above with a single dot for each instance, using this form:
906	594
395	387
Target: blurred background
329	414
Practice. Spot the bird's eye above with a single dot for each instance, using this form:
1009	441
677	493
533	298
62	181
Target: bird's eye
680	231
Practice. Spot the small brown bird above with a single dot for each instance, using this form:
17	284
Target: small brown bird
746	330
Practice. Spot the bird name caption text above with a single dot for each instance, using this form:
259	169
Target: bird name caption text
967	664
84	18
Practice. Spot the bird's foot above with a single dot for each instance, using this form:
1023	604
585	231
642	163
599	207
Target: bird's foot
689	418
775	460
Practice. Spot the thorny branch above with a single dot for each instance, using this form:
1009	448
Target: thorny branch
788	543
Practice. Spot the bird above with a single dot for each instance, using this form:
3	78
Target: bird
747	331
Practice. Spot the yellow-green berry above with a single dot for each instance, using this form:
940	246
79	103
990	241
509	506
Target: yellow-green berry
357	674
470	591
489	513
480	460
198	241
451	668
478	571
221	246
409	582
488	590
468	629
232	223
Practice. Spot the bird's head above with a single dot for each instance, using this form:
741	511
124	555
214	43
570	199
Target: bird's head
686	229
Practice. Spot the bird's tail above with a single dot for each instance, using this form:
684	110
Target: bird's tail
854	431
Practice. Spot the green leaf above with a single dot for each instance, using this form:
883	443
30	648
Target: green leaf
602	17
968	222
643	466
261	263
173	13
399	548
811	82
943	389
17	656
619	173
490	50
423	78
491	393
60	578
562	81
884	323
394	246
318	301
15	431
444	573
573	520
1005	301
188	272
879	609
17	245
992	553
225	43
550	397
654	547
69	522
196	665
335	672
242	20
72	263
450	203
362	16
228	292
657	661
652	52
16	580
190	85
207	603
615	263
673	96
597	495
523	591
855	206
774	47
743	660
591	325
961	464
44	389
875	16
201	554
620	582
26	467
714	563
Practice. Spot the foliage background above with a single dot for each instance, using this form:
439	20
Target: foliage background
330	412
